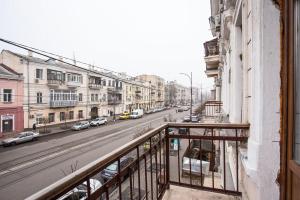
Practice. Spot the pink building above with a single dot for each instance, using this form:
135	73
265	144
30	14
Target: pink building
11	101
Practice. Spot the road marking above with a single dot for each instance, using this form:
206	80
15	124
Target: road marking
50	156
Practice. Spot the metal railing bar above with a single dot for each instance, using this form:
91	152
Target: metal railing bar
237	162
224	166
139	174
119	179
207	137
151	176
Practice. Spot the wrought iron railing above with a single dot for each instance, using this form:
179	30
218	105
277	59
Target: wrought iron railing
213	108
186	154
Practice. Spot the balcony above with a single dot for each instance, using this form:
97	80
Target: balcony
73	84
161	163
114	102
95	86
212	57
63	103
54	82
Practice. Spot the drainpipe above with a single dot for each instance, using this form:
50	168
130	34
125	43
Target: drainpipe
28	98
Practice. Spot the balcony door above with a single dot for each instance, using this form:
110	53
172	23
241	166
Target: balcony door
290	144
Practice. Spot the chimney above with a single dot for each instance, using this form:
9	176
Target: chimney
29	53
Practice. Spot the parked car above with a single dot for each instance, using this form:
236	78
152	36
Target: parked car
137	113
182	130
125	115
195	118
179	110
186	108
98	121
20	138
80	192
187	118
81	125
149	111
110	171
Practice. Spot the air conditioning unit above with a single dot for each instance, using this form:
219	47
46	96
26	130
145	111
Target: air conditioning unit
36	80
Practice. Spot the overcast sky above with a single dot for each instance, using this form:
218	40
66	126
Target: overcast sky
163	37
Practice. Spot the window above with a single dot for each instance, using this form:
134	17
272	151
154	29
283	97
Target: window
96	97
92	97
39	73
39	119
71	115
80	114
55	75
109	83
104	82
80	97
113	83
7	95
51	117
62	116
74	78
39	97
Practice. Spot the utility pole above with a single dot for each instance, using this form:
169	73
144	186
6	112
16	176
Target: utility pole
191	79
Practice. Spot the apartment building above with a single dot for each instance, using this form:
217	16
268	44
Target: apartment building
243	58
56	93
11	101
157	97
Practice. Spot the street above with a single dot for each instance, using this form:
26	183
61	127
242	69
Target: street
29	167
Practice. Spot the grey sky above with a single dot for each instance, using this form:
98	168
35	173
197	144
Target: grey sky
163	37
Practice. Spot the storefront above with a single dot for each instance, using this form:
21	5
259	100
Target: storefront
11	120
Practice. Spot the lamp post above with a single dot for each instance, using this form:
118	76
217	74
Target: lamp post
191	79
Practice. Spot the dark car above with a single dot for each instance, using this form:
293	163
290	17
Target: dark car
182	130
195	119
112	170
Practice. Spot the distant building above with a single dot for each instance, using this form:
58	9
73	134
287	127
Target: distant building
157	97
11	101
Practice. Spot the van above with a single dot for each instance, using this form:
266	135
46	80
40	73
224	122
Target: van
137	113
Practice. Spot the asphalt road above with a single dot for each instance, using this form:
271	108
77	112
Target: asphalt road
27	168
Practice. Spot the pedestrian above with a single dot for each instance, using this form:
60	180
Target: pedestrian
34	126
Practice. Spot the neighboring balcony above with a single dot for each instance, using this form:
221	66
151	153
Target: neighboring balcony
73	84
95	86
62	103
54	82
162	164
113	102
212	57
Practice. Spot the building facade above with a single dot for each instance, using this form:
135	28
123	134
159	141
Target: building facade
244	60
157	90
11	101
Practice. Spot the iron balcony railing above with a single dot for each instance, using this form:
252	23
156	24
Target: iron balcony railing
213	108
63	103
190	155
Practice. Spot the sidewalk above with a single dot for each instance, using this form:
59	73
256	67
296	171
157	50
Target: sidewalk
52	129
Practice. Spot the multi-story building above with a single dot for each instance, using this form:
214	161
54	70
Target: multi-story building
57	93
244	60
157	97
11	101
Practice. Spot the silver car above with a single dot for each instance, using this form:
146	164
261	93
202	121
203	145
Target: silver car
20	138
81	125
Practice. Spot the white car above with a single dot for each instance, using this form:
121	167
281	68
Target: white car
98	121
80	192
20	138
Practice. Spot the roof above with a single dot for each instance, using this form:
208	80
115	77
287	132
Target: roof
44	61
7	72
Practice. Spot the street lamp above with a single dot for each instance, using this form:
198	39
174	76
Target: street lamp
190	77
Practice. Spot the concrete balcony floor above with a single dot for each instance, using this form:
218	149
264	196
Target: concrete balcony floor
182	193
